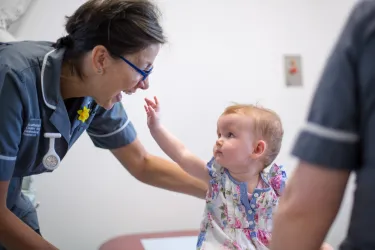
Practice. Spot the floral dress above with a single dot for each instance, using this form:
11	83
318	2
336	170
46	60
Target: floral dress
234	219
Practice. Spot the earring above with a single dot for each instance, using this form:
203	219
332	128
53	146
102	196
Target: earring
100	71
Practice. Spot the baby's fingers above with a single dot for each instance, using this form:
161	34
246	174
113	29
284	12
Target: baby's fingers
150	103
146	108
156	100
151	110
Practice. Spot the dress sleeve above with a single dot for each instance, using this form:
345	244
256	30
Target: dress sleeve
214	169
277	178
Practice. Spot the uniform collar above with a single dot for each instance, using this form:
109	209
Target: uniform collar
50	78
51	93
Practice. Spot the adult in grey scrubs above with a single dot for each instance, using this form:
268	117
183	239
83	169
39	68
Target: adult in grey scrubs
338	139
56	91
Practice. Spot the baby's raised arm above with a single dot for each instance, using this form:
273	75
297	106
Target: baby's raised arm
172	146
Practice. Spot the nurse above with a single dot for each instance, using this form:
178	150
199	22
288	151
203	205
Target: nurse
50	93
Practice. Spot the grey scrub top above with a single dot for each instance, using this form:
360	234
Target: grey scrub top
31	105
340	129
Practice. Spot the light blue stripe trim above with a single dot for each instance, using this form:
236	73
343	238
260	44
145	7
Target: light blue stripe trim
112	133
8	158
332	134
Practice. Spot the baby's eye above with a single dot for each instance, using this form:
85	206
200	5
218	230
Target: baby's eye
230	135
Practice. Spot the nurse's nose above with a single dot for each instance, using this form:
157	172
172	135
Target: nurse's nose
143	84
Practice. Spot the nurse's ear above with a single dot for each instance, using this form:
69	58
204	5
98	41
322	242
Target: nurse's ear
101	59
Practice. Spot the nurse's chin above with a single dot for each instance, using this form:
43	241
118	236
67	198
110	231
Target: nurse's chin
109	103
106	105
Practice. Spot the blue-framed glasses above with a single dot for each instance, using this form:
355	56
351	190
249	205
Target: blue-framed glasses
144	73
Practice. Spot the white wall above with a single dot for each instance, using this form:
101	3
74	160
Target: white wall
217	53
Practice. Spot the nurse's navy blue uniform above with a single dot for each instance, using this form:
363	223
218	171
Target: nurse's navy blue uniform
31	105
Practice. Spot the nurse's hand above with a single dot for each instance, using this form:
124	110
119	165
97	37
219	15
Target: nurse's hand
152	110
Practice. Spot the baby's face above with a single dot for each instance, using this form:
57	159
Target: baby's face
234	145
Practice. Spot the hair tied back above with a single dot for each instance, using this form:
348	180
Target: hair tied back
64	42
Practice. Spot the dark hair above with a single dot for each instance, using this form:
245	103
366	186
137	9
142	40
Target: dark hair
122	26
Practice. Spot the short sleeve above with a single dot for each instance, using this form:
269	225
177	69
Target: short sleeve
277	178
214	169
331	136
111	129
11	120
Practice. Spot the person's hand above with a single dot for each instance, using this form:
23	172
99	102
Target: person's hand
326	246
152	110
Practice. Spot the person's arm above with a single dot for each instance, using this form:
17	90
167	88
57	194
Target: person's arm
308	207
111	129
14	234
179	153
171	146
329	145
157	171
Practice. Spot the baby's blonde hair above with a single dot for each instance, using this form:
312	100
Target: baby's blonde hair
267	127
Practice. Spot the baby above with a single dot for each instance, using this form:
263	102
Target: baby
242	197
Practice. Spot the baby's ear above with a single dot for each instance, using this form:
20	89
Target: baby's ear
259	149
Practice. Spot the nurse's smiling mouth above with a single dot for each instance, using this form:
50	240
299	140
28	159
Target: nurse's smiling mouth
118	97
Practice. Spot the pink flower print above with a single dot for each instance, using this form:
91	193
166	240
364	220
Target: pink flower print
236	246
230	245
238	190
247	233
226	210
215	189
226	244
209	217
276	168
274	196
256	218
237	223
276	182
209	193
263	237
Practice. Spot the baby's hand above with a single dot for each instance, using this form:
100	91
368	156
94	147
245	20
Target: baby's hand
152	111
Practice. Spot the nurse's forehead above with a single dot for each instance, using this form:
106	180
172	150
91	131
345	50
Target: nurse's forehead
149	54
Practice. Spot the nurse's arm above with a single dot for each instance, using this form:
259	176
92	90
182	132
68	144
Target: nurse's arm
14	234
158	172
308	207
